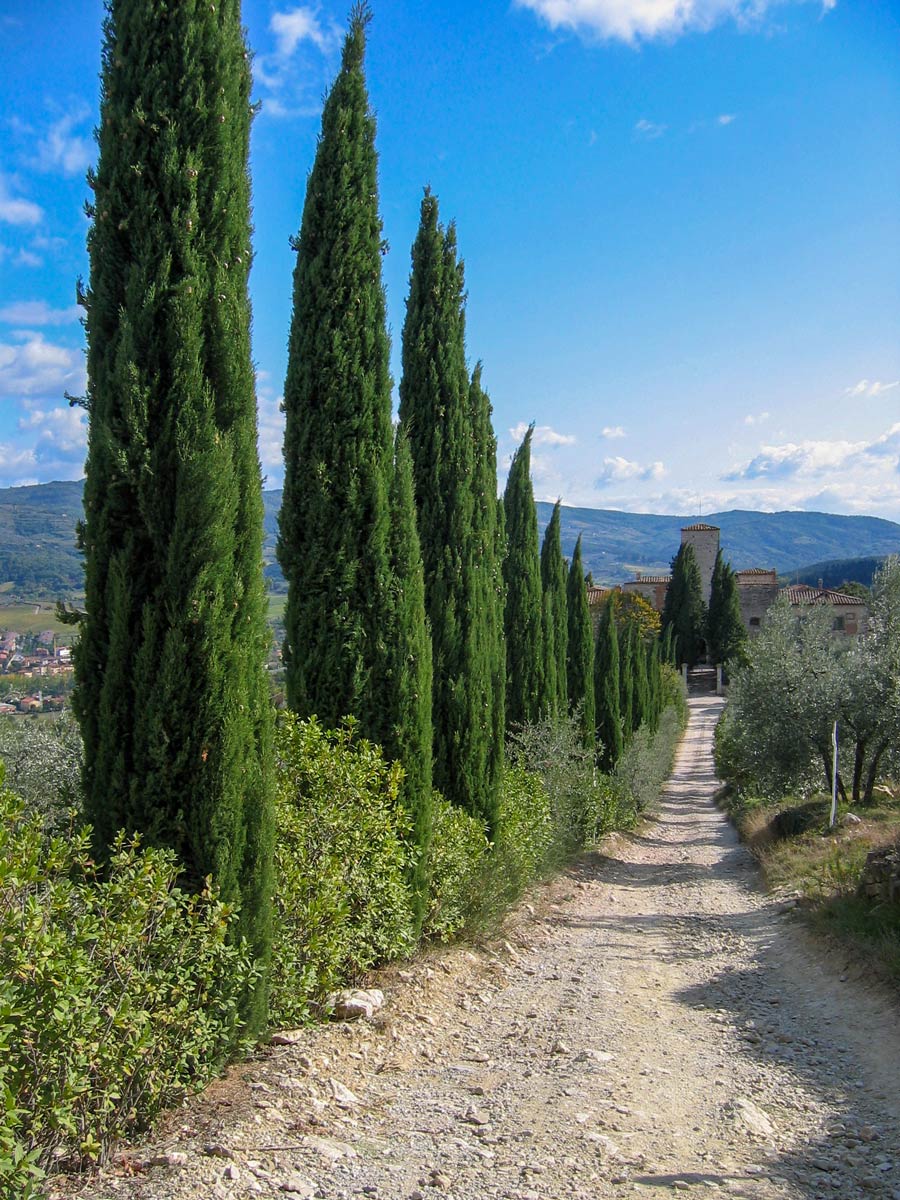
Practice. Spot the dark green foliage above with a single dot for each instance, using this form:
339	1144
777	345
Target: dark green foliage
119	996
606	688
409	670
725	632
490	549
171	693
684	613
627	680
641	705
580	651
447	418
526	698
343	862
338	445
555	615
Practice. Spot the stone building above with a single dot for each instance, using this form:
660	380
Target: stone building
705	541
757	588
757	592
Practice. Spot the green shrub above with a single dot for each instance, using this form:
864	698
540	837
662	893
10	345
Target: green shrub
457	857
646	764
43	765
118	997
342	861
580	798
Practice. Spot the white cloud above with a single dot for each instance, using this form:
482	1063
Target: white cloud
63	150
612	431
271	435
756	418
61	431
618	469
16	211
543	435
870	387
35	367
641	20
806	458
38	312
649	129
726	118
26	258
286	72
296	26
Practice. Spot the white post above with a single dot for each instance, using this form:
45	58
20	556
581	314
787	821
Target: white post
720	689
834	776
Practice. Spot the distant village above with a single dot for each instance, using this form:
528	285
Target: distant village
40	658
758	588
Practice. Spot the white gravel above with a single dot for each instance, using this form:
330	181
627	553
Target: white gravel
653	1024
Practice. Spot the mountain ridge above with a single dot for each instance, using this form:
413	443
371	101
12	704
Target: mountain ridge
38	552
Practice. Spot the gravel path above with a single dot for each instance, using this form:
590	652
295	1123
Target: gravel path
653	1024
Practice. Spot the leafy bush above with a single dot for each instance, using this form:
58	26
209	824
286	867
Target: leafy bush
342	861
646	764
580	797
459	851
118	996
43	765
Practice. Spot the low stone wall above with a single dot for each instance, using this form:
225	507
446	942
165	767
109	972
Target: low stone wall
881	875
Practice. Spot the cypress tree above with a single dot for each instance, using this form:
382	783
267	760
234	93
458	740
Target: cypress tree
525	684
627	680
490	548
338	443
725	631
642	703
555	617
684	613
171	692
606	688
456	517
409	648
580	649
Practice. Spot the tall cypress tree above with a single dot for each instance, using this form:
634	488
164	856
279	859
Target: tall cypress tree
555	616
684	612
525	684
627	679
456	517
171	692
725	630
642	702
606	687
580	649
338	444
490	549
409	648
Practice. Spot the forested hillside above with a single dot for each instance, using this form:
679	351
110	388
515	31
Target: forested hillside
38	555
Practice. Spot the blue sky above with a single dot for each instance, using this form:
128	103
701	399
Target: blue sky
680	221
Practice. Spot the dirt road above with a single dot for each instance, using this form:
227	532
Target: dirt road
656	1025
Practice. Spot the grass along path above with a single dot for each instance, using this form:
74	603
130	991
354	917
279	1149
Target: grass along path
652	1024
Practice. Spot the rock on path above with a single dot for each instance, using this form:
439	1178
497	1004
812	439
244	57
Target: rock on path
656	1026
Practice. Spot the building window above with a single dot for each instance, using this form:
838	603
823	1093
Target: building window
754	622
838	625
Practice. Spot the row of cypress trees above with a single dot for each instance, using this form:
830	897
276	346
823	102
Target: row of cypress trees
557	666
418	604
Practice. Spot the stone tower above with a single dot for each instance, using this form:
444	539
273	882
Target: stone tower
705	540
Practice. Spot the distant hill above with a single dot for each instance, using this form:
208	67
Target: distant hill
615	544
837	571
38	555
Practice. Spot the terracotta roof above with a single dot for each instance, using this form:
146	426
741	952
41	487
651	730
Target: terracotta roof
649	579
801	593
756	571
596	594
698	527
